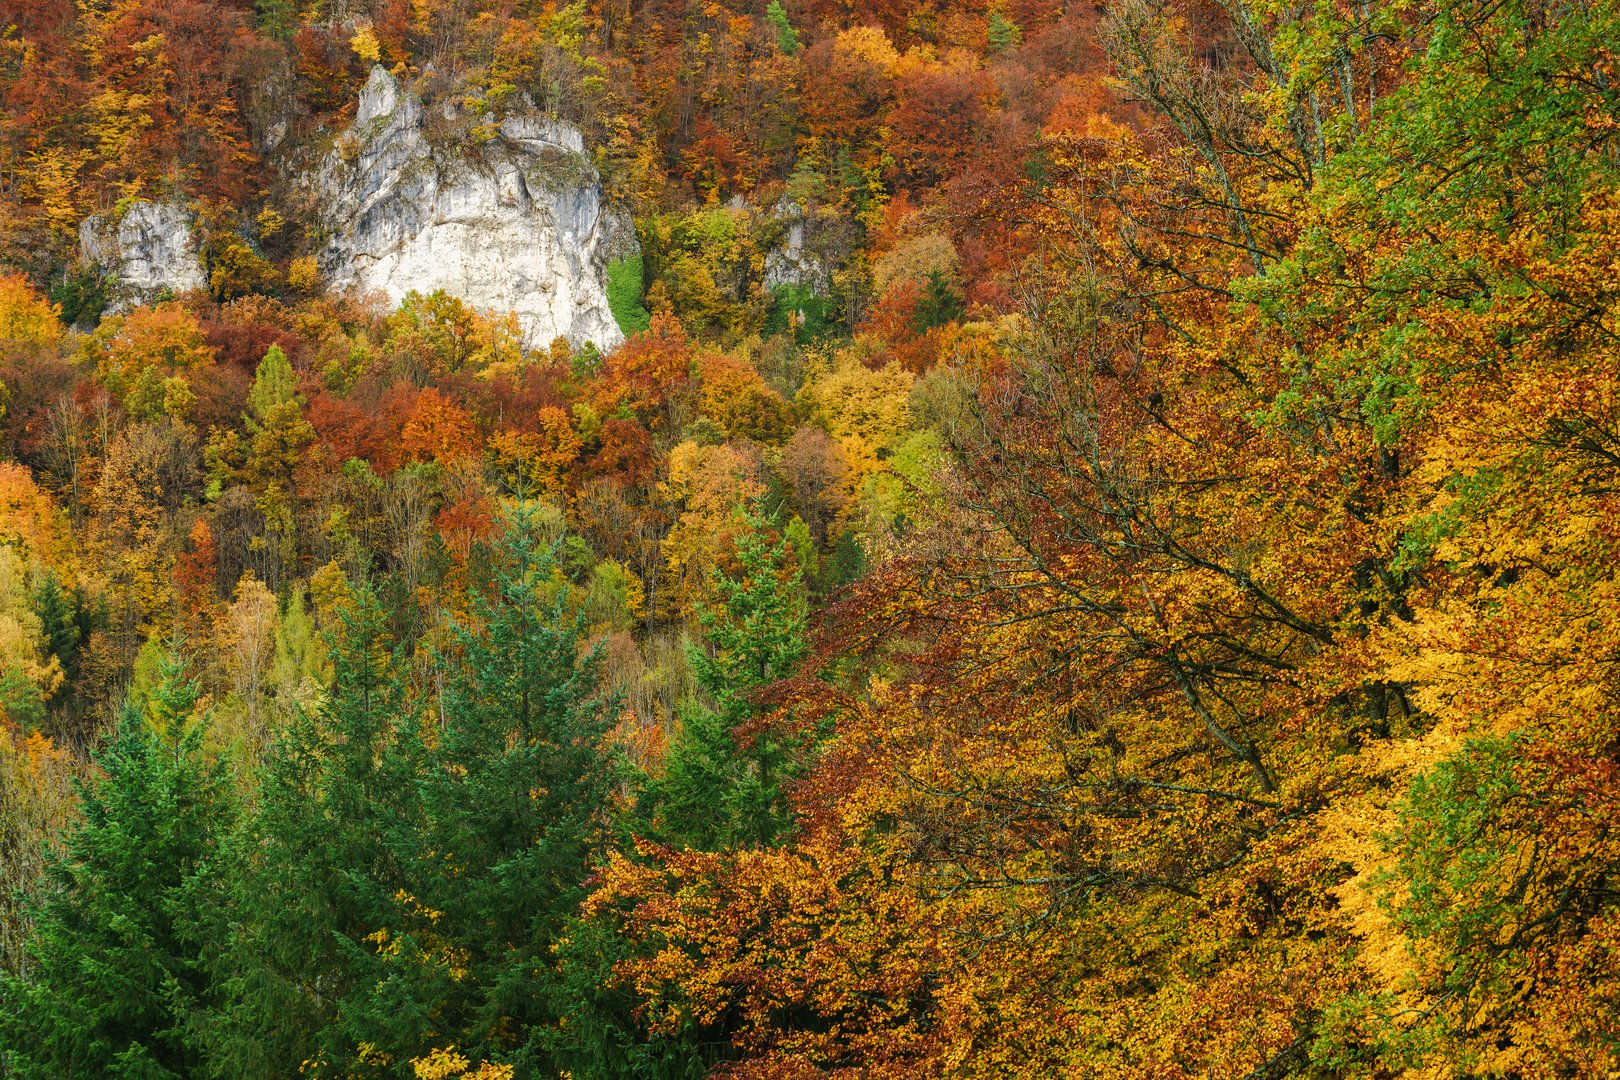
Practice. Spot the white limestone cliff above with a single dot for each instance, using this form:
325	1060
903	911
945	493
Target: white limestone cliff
148	251
791	262
517	221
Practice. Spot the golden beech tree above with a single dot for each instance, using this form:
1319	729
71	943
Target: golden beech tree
26	318
866	409
736	399
148	358
703	487
29	519
542	461
127	538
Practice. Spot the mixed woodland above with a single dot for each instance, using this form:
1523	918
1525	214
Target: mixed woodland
1148	606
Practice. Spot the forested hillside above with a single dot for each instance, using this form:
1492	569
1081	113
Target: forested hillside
992	539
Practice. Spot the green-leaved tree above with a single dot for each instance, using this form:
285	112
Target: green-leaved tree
515	799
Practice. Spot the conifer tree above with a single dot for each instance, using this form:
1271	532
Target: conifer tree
939	304
787	38
115	970
277	437
318	866
718	790
515	812
605	1036
63	622
277	18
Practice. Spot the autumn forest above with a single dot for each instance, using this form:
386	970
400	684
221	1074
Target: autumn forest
803	539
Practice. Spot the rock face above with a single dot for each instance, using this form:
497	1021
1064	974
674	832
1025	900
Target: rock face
515	222
790	262
147	251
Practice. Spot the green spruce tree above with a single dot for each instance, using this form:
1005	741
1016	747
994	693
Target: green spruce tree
605	1037
718	790
115	970
787	38
515	803
63	619
1001	32
318	866
939	304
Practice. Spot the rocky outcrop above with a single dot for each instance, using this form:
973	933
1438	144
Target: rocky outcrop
514	220
148	251
790	262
